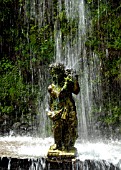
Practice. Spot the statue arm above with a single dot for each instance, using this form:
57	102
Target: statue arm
53	114
68	82
71	85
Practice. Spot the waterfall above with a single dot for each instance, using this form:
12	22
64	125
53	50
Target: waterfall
70	50
35	12
28	152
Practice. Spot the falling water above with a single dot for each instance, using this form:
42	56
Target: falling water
73	54
70	50
35	11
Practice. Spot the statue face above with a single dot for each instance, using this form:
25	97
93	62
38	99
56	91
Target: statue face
58	72
58	77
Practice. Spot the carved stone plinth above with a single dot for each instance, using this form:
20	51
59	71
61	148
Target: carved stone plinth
61	164
61	160
62	154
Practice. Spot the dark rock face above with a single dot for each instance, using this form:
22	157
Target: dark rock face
94	165
22	164
54	164
9	126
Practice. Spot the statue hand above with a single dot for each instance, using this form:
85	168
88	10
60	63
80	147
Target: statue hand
50	114
54	114
68	78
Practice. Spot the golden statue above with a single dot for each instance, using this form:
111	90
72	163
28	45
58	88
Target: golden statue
62	109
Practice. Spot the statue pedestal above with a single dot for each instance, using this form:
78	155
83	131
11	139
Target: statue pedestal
70	154
61	160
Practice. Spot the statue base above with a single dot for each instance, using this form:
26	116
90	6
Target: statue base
62	154
61	159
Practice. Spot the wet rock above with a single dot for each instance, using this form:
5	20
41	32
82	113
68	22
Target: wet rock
16	125
20	163
4	162
54	164
94	165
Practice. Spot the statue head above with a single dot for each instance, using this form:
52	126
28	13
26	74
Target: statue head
57	70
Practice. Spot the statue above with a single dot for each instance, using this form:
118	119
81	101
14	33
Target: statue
62	109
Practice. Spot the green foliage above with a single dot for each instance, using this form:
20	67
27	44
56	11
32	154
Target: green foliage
24	48
113	116
105	41
106	26
13	92
34	46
